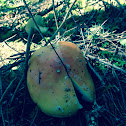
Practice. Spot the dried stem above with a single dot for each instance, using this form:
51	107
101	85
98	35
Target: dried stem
26	65
53	36
7	89
1	111
109	64
121	91
56	19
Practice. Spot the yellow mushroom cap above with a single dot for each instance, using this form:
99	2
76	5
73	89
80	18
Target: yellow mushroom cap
49	85
39	22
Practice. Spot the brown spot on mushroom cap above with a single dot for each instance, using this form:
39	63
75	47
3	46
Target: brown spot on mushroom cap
54	93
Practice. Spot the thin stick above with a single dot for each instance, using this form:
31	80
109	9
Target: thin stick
53	36
1	111
8	67
55	14
56	19
0	85
11	47
122	94
22	78
46	11
98	76
28	51
7	89
101	80
34	118
120	5
9	38
26	66
109	64
34	21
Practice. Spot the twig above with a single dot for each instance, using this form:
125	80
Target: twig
26	65
116	118
30	122
11	47
8	67
13	58
55	14
22	78
98	76
122	94
20	55
1	111
123	54
53	36
34	21
7	89
76	24
101	80
28	51
93	34
34	118
9	38
109	95
82	34
109	64
0	85
50	9
120	5
56	19
69	30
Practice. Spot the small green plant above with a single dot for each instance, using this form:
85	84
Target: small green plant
112	58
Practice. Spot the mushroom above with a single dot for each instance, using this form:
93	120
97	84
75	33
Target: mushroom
39	22
49	85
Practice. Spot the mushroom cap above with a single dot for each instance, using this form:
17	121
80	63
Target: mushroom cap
49	85
39	22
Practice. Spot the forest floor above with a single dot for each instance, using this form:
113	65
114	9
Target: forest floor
99	30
